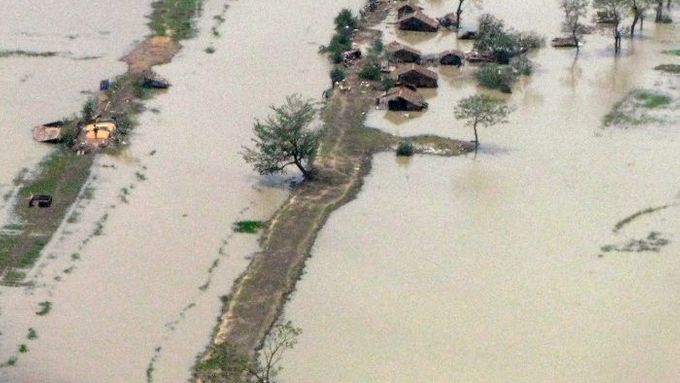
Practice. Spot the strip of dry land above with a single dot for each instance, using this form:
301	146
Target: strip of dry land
345	155
63	172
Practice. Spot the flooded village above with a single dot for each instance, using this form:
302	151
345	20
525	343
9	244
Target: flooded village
360	191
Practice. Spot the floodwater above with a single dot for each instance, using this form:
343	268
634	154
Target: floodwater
134	280
490	268
87	37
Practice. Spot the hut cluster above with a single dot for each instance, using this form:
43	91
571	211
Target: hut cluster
407	66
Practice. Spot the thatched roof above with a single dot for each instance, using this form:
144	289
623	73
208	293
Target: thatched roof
455	52
416	68
408	93
423	18
48	132
395	46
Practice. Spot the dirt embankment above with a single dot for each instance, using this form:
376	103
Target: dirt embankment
344	159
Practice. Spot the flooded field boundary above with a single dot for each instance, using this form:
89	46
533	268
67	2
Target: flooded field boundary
63	173
345	156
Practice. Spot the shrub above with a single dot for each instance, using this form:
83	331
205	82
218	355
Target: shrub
377	47
522	65
405	149
666	19
387	82
337	74
345	20
494	76
530	40
370	72
340	42
89	108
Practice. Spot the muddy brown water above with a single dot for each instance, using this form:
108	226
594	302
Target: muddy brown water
488	269
139	297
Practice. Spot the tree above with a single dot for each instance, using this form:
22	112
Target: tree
616	9
282	337
492	37
574	12
284	139
638	8
345	20
482	110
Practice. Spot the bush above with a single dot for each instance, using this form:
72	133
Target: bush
370	72
494	76
666	19
337	74
405	149
345	20
529	40
387	82
377	47
89	108
340	42
522	65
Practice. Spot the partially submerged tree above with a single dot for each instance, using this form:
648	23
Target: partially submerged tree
459	10
574	12
283	337
638	9
482	110
492	37
284	139
616	9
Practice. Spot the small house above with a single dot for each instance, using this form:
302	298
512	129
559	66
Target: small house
48	132
416	75
475	56
452	57
402	54
403	98
468	35
351	55
41	200
100	130
151	80
418	21
449	21
564	42
407	9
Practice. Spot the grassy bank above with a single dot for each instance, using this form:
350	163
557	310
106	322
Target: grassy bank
63	173
345	156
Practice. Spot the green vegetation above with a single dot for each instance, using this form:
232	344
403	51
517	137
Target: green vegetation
674	52
371	72
224	364
210	50
619	225
337	74
405	149
652	99
638	107
45	308
495	76
23	348
285	139
174	18
23	53
89	109
482	110
250	227
32	334
345	23
668	68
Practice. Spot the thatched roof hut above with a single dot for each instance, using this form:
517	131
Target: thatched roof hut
418	21
451	57
48	132
99	130
403	98
407	9
402	54
416	75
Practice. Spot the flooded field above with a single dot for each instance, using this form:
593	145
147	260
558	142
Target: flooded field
134	276
48	58
508	266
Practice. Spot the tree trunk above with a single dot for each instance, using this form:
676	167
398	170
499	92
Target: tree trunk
636	17
575	37
642	21
668	4
659	11
474	127
459	12
305	173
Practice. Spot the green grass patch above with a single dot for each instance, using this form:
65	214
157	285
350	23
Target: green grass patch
51	171
45	308
32	334
250	227
23	348
674	52
29	257
652	99
13	278
175	18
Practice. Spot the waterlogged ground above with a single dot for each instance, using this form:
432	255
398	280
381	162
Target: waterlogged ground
133	278
509	266
50	53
